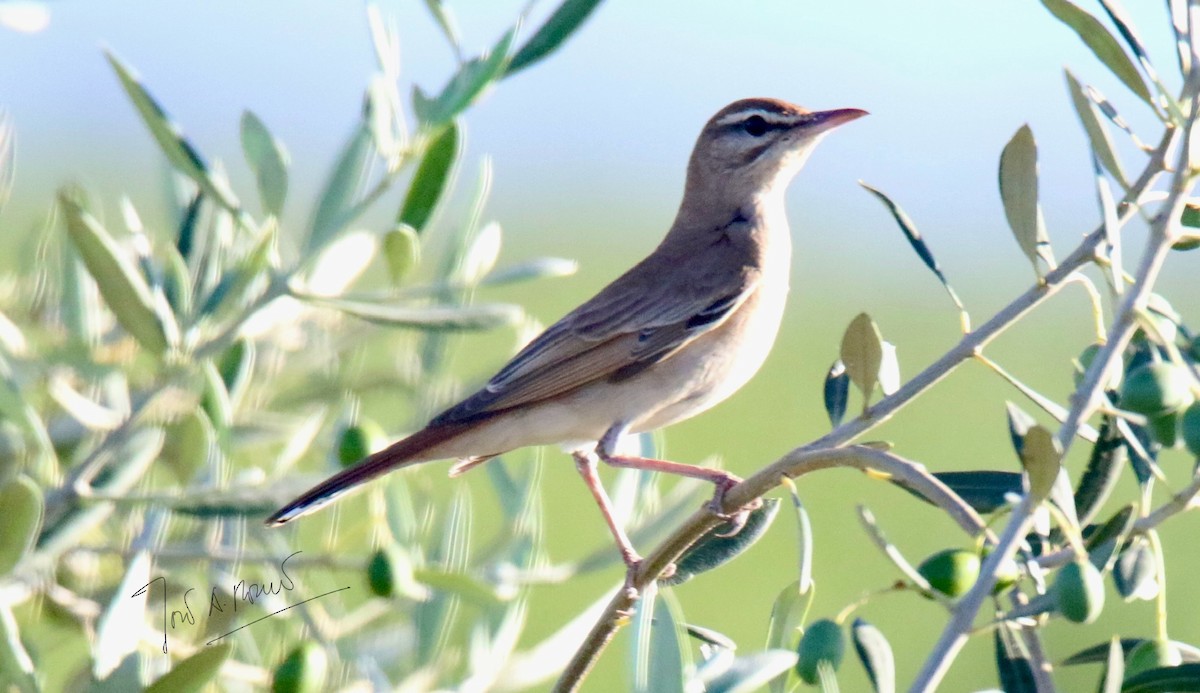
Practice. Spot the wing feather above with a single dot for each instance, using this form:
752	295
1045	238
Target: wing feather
640	319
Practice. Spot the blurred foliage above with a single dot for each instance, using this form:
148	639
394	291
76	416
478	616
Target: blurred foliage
166	384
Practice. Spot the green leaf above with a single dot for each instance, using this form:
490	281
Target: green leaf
445	21
432	179
1114	667
460	585
402	250
915	240
1100	652
1012	662
565	21
1019	423
862	353
466	86
1041	457
713	550
1097	134
23	507
336	207
1135	572
120	283
478	317
14	657
119	629
1103	469
663	658
804	543
1102	44
1184	678
537	268
269	161
875	654
787	613
983	490
182	155
435	618
1125	28
1019	192
194	673
836	392
1104	542
749	673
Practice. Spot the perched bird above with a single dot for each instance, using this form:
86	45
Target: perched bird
679	332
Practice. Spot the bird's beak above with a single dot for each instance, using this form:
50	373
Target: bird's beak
823	121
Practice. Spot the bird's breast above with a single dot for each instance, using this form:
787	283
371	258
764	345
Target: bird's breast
718	363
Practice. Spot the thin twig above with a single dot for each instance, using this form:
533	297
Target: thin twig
796	463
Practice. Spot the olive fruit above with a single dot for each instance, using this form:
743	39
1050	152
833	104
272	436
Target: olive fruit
951	572
822	642
303	671
1079	591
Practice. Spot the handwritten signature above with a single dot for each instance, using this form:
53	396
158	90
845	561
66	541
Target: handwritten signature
242	592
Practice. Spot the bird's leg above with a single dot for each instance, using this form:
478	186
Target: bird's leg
722	479
585	463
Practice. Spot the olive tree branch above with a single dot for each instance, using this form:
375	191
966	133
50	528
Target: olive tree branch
1084	403
827	451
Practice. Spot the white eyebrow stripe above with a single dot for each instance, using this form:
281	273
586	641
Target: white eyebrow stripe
772	117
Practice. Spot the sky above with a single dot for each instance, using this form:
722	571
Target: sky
594	141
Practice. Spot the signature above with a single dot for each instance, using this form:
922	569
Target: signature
243	592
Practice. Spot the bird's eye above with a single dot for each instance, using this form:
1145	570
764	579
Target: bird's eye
755	126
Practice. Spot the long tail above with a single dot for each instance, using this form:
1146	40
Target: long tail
398	455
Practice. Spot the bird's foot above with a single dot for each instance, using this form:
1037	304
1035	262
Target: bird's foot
737	519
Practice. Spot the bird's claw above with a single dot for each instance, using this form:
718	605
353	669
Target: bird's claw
735	520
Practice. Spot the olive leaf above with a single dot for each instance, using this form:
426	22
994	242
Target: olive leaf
1019	192
269	161
1101	43
194	673
402	250
916	241
876	655
714	550
1097	134
178	150
836	392
862	353
1041	456
563	22
336	207
433	177
123	287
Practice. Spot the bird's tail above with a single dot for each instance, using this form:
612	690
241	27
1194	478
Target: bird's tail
398	455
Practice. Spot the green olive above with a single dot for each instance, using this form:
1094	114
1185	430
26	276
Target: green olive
1165	429
359	440
1189	426
822	642
1079	591
386	570
1156	388
303	671
951	572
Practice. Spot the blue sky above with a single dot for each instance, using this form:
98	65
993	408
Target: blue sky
597	136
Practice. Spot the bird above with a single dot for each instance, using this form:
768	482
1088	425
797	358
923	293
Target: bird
677	333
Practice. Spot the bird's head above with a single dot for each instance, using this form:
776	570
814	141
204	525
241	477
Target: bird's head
754	146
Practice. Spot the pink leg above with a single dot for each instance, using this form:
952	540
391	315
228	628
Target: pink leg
722	479
585	463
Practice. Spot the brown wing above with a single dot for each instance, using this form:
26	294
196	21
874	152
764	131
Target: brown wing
640	319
